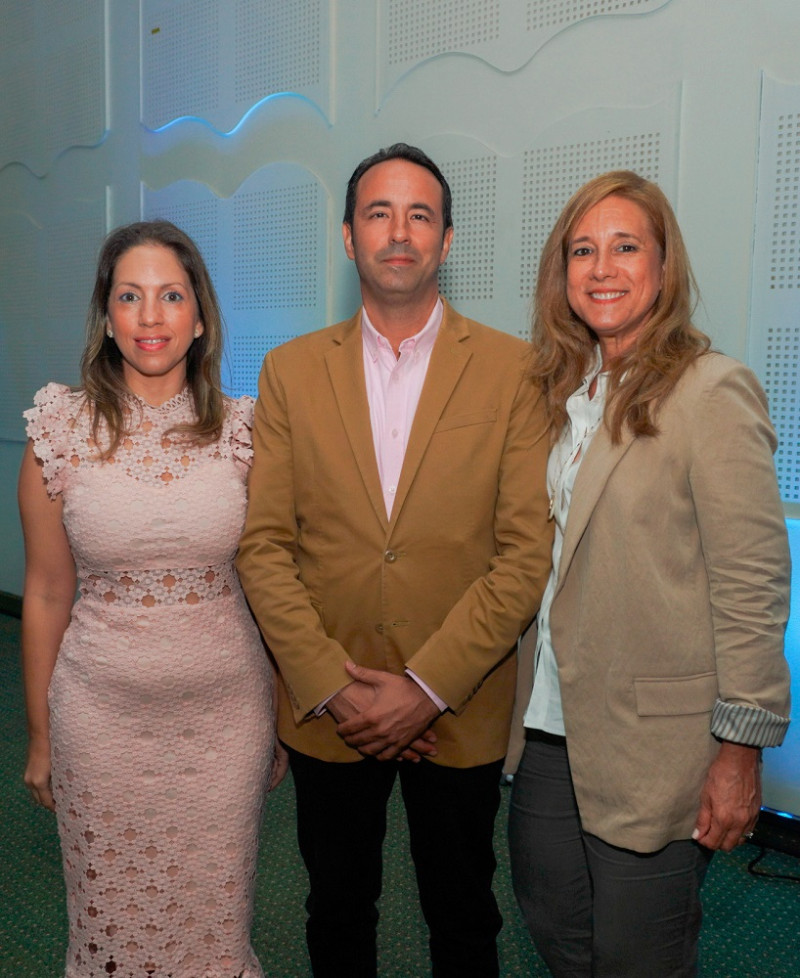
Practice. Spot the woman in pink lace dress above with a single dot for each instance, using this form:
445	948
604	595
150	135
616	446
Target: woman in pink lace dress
150	705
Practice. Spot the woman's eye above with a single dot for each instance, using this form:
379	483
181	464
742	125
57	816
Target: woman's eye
173	297
127	297
580	252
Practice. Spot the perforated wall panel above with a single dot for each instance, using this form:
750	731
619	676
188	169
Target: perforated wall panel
276	233
215	60
506	35
52	79
419	29
469	271
45	292
774	338
552	174
277	47
266	249
542	15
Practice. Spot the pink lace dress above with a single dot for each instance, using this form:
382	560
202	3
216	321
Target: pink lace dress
162	725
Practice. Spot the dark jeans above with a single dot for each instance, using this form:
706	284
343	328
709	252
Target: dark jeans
341	823
594	910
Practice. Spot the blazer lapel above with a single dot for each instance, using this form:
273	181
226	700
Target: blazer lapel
449	357
345	362
595	471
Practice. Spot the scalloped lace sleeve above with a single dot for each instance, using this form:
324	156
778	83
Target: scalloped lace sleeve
50	425
242	430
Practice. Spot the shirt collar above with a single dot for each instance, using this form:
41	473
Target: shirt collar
420	343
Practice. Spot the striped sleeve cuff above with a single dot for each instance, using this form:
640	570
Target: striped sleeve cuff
748	725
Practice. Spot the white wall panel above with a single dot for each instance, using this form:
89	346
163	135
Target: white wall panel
504	33
52	79
45	285
215	59
266	248
242	119
774	340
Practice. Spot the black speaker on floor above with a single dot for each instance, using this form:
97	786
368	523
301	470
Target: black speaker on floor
778	830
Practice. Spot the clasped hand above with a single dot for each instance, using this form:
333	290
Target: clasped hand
385	716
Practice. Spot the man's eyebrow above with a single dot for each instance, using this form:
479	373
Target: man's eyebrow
420	206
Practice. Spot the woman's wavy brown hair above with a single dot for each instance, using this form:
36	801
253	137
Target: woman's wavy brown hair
564	346
101	364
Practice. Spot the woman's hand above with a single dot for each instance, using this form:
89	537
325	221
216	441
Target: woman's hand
731	798
37	772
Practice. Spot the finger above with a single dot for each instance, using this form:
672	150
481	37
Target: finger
702	824
356	725
424	747
409	755
362	674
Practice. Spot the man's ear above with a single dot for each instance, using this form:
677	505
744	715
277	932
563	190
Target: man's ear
347	237
446	242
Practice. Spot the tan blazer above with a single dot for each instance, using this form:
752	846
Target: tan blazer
672	592
447	584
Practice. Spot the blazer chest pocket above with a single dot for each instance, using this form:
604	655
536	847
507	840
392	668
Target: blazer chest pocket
657	697
465	418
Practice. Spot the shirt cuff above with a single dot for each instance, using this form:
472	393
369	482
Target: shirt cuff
322	707
748	725
427	690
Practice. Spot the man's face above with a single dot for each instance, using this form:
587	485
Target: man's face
398	239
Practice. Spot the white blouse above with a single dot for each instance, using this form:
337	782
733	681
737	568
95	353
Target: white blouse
585	415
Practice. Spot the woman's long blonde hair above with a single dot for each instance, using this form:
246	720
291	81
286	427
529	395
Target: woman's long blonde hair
101	365
564	346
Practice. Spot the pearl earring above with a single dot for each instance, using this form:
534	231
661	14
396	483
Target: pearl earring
196	331
109	332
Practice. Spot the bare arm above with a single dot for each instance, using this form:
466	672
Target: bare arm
50	581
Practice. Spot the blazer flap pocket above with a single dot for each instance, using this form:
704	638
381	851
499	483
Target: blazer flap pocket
487	416
672	696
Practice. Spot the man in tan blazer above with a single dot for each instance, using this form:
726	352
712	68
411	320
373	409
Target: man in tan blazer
396	544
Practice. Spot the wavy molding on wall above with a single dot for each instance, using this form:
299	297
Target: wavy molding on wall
46	290
505	206
53	80
215	60
266	249
504	33
774	334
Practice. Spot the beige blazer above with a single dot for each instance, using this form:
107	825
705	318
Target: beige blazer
672	592
446	585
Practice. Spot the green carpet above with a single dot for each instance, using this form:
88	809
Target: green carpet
750	930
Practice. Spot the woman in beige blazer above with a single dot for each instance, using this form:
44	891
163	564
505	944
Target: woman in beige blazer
659	667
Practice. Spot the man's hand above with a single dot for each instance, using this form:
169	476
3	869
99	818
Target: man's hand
350	701
731	798
395	721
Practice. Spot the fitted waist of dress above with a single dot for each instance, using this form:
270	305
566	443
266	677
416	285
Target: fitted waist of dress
163	587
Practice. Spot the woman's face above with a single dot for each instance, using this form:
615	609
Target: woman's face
614	272
154	318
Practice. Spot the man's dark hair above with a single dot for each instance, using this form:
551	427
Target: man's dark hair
398	151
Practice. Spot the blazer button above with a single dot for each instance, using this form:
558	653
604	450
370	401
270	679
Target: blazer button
390	556
379	628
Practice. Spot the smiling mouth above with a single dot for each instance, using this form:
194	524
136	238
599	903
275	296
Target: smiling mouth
152	341
607	295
